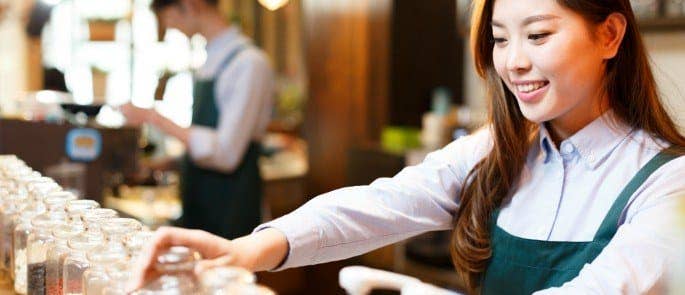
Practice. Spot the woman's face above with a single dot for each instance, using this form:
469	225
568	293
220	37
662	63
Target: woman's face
546	55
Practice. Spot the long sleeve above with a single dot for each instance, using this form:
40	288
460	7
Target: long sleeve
354	220
244	97
640	257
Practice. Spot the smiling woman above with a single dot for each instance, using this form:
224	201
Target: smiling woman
573	187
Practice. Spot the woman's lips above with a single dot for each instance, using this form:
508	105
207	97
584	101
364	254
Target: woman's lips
533	96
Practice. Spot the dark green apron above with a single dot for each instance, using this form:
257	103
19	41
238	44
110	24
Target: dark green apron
225	204
523	266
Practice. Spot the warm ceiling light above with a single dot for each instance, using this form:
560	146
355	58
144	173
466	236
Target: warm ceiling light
273	4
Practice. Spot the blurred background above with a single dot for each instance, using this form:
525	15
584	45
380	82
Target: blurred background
364	88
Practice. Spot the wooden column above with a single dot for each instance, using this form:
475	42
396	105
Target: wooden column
346	59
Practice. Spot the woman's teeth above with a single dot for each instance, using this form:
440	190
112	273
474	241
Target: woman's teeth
525	88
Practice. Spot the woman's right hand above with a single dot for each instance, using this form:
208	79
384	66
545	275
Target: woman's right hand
259	251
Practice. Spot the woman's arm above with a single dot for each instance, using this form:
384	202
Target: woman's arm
259	251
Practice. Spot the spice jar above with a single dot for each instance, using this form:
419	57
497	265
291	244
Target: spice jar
176	268
76	261
215	280
36	252
95	278
18	260
56	255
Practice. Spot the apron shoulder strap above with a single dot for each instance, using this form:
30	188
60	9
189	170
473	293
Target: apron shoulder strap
610	223
229	59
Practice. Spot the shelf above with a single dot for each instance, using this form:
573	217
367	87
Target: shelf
665	24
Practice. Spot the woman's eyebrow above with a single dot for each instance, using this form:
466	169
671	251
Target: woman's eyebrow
528	20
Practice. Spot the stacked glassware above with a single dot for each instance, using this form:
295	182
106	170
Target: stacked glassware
53	243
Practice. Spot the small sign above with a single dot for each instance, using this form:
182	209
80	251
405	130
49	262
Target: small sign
83	144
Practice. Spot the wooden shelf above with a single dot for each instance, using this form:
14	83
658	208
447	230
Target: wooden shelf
663	24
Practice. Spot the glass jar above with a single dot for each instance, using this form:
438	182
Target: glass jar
56	254
175	267
8	213
96	278
116	229
18	260
76	261
57	201
76	208
118	281
134	243
41	187
94	217
36	253
216	279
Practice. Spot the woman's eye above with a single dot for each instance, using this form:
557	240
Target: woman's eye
498	40
536	37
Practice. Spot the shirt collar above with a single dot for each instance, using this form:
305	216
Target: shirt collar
594	143
226	38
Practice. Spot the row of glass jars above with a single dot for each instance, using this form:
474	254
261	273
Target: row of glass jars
53	243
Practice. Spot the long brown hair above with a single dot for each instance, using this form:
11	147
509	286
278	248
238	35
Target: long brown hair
633	96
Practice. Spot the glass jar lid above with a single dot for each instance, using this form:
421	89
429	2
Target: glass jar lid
79	206
177	259
67	231
56	200
85	241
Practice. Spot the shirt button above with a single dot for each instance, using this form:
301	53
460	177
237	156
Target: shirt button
567	148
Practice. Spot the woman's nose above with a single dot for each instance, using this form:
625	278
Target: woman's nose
517	60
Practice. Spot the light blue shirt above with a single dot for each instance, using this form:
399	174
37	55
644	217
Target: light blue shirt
244	97
563	195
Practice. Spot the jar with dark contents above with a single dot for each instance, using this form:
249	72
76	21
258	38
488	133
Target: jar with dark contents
176	269
18	260
36	252
56	254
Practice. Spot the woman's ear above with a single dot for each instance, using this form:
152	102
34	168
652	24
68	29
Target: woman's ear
611	33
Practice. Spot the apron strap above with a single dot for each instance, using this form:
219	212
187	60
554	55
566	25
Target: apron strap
610	223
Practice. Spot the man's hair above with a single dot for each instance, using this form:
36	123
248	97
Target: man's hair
158	5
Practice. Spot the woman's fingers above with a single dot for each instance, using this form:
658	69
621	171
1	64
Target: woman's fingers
226	260
208	245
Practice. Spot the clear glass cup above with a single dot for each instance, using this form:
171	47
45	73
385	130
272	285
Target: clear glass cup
36	253
175	267
56	255
96	278
76	262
